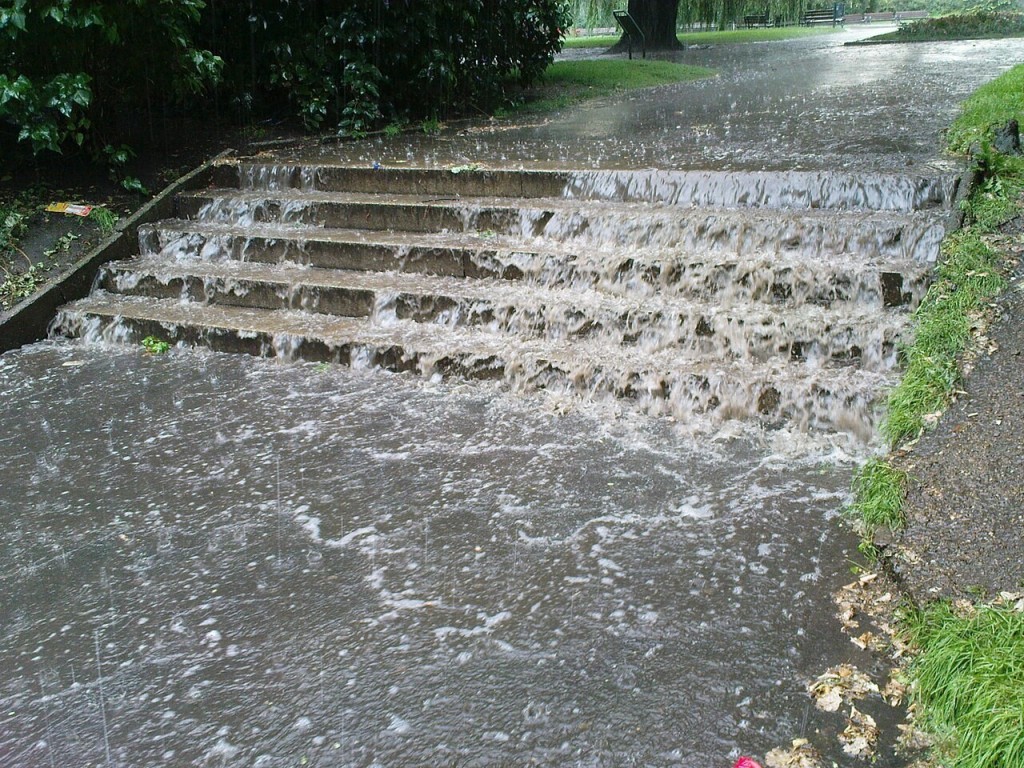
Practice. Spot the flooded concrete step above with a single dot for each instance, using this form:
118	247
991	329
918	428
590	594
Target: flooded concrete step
861	336
697	188
766	277
911	236
663	381
463	255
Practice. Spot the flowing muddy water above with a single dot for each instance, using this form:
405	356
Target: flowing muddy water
215	560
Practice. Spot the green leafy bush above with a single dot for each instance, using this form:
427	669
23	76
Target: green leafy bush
376	62
94	74
79	73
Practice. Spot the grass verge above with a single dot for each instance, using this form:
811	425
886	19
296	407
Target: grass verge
975	25
570	82
967	672
878	489
725	37
968	278
968	679
992	104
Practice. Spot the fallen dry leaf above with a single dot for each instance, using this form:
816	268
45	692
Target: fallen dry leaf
913	738
800	755
894	692
860	736
836	685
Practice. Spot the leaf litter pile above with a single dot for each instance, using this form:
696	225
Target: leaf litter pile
865	610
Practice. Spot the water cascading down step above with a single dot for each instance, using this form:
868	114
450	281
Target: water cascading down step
779	297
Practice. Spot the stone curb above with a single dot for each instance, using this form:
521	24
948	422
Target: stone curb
28	321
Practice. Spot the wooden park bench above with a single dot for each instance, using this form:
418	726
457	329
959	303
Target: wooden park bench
632	30
833	15
757	20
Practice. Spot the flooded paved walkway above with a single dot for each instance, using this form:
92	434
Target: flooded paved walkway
281	562
214	560
810	103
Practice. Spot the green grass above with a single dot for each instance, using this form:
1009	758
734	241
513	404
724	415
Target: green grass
570	82
992	104
968	278
105	219
591	41
969	683
726	37
614	74
957	26
879	491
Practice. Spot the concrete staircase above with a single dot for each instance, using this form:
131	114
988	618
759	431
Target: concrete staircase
778	297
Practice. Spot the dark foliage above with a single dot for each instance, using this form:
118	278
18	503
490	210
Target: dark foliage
85	72
382	60
93	74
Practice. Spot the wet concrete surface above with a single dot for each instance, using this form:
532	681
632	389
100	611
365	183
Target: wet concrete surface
216	560
211	560
810	103
965	532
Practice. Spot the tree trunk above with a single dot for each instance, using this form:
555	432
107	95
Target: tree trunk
657	20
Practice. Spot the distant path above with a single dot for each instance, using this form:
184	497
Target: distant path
808	103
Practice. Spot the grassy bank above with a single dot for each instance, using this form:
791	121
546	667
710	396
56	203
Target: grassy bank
976	25
725	37
968	671
967	279
968	678
570	82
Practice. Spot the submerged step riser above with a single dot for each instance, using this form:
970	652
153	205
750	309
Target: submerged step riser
794	190
234	292
177	246
708	332
765	396
384	181
438	216
860	236
765	280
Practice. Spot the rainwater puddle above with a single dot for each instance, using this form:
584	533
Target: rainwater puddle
216	560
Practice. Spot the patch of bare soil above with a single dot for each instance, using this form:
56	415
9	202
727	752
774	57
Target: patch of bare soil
49	243
965	506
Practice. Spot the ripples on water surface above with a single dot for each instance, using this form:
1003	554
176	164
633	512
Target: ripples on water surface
276	563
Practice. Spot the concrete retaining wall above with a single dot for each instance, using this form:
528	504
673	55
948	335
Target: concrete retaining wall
28	321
